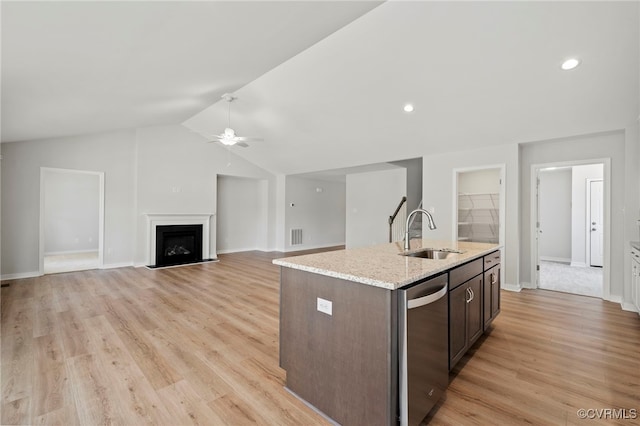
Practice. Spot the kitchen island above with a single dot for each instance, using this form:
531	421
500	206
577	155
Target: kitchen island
341	321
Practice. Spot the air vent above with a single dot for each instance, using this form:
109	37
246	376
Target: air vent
296	236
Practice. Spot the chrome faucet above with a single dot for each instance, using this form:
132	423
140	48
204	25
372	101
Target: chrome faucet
432	225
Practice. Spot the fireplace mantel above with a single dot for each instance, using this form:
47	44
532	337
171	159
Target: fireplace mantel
159	219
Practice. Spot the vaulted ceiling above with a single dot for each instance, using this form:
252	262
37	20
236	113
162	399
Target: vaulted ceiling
87	66
324	83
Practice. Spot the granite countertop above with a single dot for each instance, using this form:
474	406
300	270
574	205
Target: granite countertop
635	245
382	266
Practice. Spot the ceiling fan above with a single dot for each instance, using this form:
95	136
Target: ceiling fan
229	137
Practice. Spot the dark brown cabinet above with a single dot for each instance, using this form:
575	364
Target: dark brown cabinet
491	288
465	309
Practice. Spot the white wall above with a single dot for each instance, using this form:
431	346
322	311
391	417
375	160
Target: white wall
112	153
632	200
242	214
580	210
71	211
479	181
555	194
581	148
414	181
177	174
320	215
371	199
439	192
165	169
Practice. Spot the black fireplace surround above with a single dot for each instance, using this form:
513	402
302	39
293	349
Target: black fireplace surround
178	244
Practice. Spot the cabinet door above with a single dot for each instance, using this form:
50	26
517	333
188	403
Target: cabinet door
491	293
487	298
457	323
474	310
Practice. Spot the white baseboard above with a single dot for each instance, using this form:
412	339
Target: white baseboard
628	306
512	287
312	247
57	253
287	250
20	275
527	285
116	265
556	259
614	299
579	264
239	250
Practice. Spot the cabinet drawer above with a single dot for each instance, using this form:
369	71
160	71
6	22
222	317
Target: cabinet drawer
491	260
464	273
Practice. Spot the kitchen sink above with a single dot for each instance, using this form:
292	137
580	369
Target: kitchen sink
432	253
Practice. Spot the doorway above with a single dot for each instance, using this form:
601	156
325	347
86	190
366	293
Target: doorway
570	228
479	205
242	210
71	220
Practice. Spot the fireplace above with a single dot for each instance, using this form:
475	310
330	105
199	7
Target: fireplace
167	220
178	244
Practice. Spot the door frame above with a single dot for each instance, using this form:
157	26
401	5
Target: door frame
43	173
534	222
502	202
588	221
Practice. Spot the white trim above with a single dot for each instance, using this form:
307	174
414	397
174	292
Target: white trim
512	287
555	259
58	253
578	264
614	299
502	202
238	250
630	307
527	285
312	247
20	276
43	172
116	265
606	189
154	220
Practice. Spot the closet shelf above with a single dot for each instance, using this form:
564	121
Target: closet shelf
478	215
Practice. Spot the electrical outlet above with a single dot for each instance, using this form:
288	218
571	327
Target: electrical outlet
325	306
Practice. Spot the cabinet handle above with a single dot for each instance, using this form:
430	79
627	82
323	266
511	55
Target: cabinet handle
494	278
468	291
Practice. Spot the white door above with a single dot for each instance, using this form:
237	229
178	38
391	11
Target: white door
595	223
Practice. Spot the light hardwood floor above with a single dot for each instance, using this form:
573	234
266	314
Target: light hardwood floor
199	345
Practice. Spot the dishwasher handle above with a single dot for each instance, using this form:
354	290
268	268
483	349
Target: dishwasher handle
425	300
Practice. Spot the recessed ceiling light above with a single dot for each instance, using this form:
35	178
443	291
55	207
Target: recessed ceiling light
570	64
408	108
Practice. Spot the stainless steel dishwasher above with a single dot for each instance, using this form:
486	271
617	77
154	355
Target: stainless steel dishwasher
423	345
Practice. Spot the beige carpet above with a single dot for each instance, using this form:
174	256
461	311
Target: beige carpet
71	262
586	281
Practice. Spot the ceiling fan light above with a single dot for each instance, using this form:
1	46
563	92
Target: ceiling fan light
228	141
229	133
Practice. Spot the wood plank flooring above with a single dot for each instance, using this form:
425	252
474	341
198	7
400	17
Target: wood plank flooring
198	345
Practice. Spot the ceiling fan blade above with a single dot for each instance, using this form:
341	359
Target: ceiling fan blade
242	144
248	139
